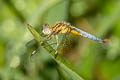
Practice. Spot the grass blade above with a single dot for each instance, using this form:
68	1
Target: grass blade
73	75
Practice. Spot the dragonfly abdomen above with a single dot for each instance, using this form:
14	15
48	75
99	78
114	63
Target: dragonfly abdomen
79	32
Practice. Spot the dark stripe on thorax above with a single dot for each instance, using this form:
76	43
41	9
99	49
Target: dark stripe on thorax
56	26
61	25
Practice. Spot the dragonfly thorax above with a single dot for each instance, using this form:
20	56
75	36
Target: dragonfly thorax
46	29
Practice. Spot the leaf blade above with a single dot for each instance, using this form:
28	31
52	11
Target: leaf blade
39	38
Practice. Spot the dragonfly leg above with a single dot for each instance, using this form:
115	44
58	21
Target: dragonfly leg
57	40
49	44
35	51
47	38
30	42
56	53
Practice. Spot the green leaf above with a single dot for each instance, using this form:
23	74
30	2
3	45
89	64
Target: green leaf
73	75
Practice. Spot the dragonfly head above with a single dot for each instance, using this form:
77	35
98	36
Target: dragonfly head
46	29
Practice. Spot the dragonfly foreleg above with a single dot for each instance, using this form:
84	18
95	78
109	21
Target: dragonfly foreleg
35	51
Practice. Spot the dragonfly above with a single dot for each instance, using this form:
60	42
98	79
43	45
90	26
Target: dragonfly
64	28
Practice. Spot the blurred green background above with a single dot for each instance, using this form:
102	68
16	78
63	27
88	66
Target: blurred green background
87	58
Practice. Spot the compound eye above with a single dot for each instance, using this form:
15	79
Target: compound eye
46	29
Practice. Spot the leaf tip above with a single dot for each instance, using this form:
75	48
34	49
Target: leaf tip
26	24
